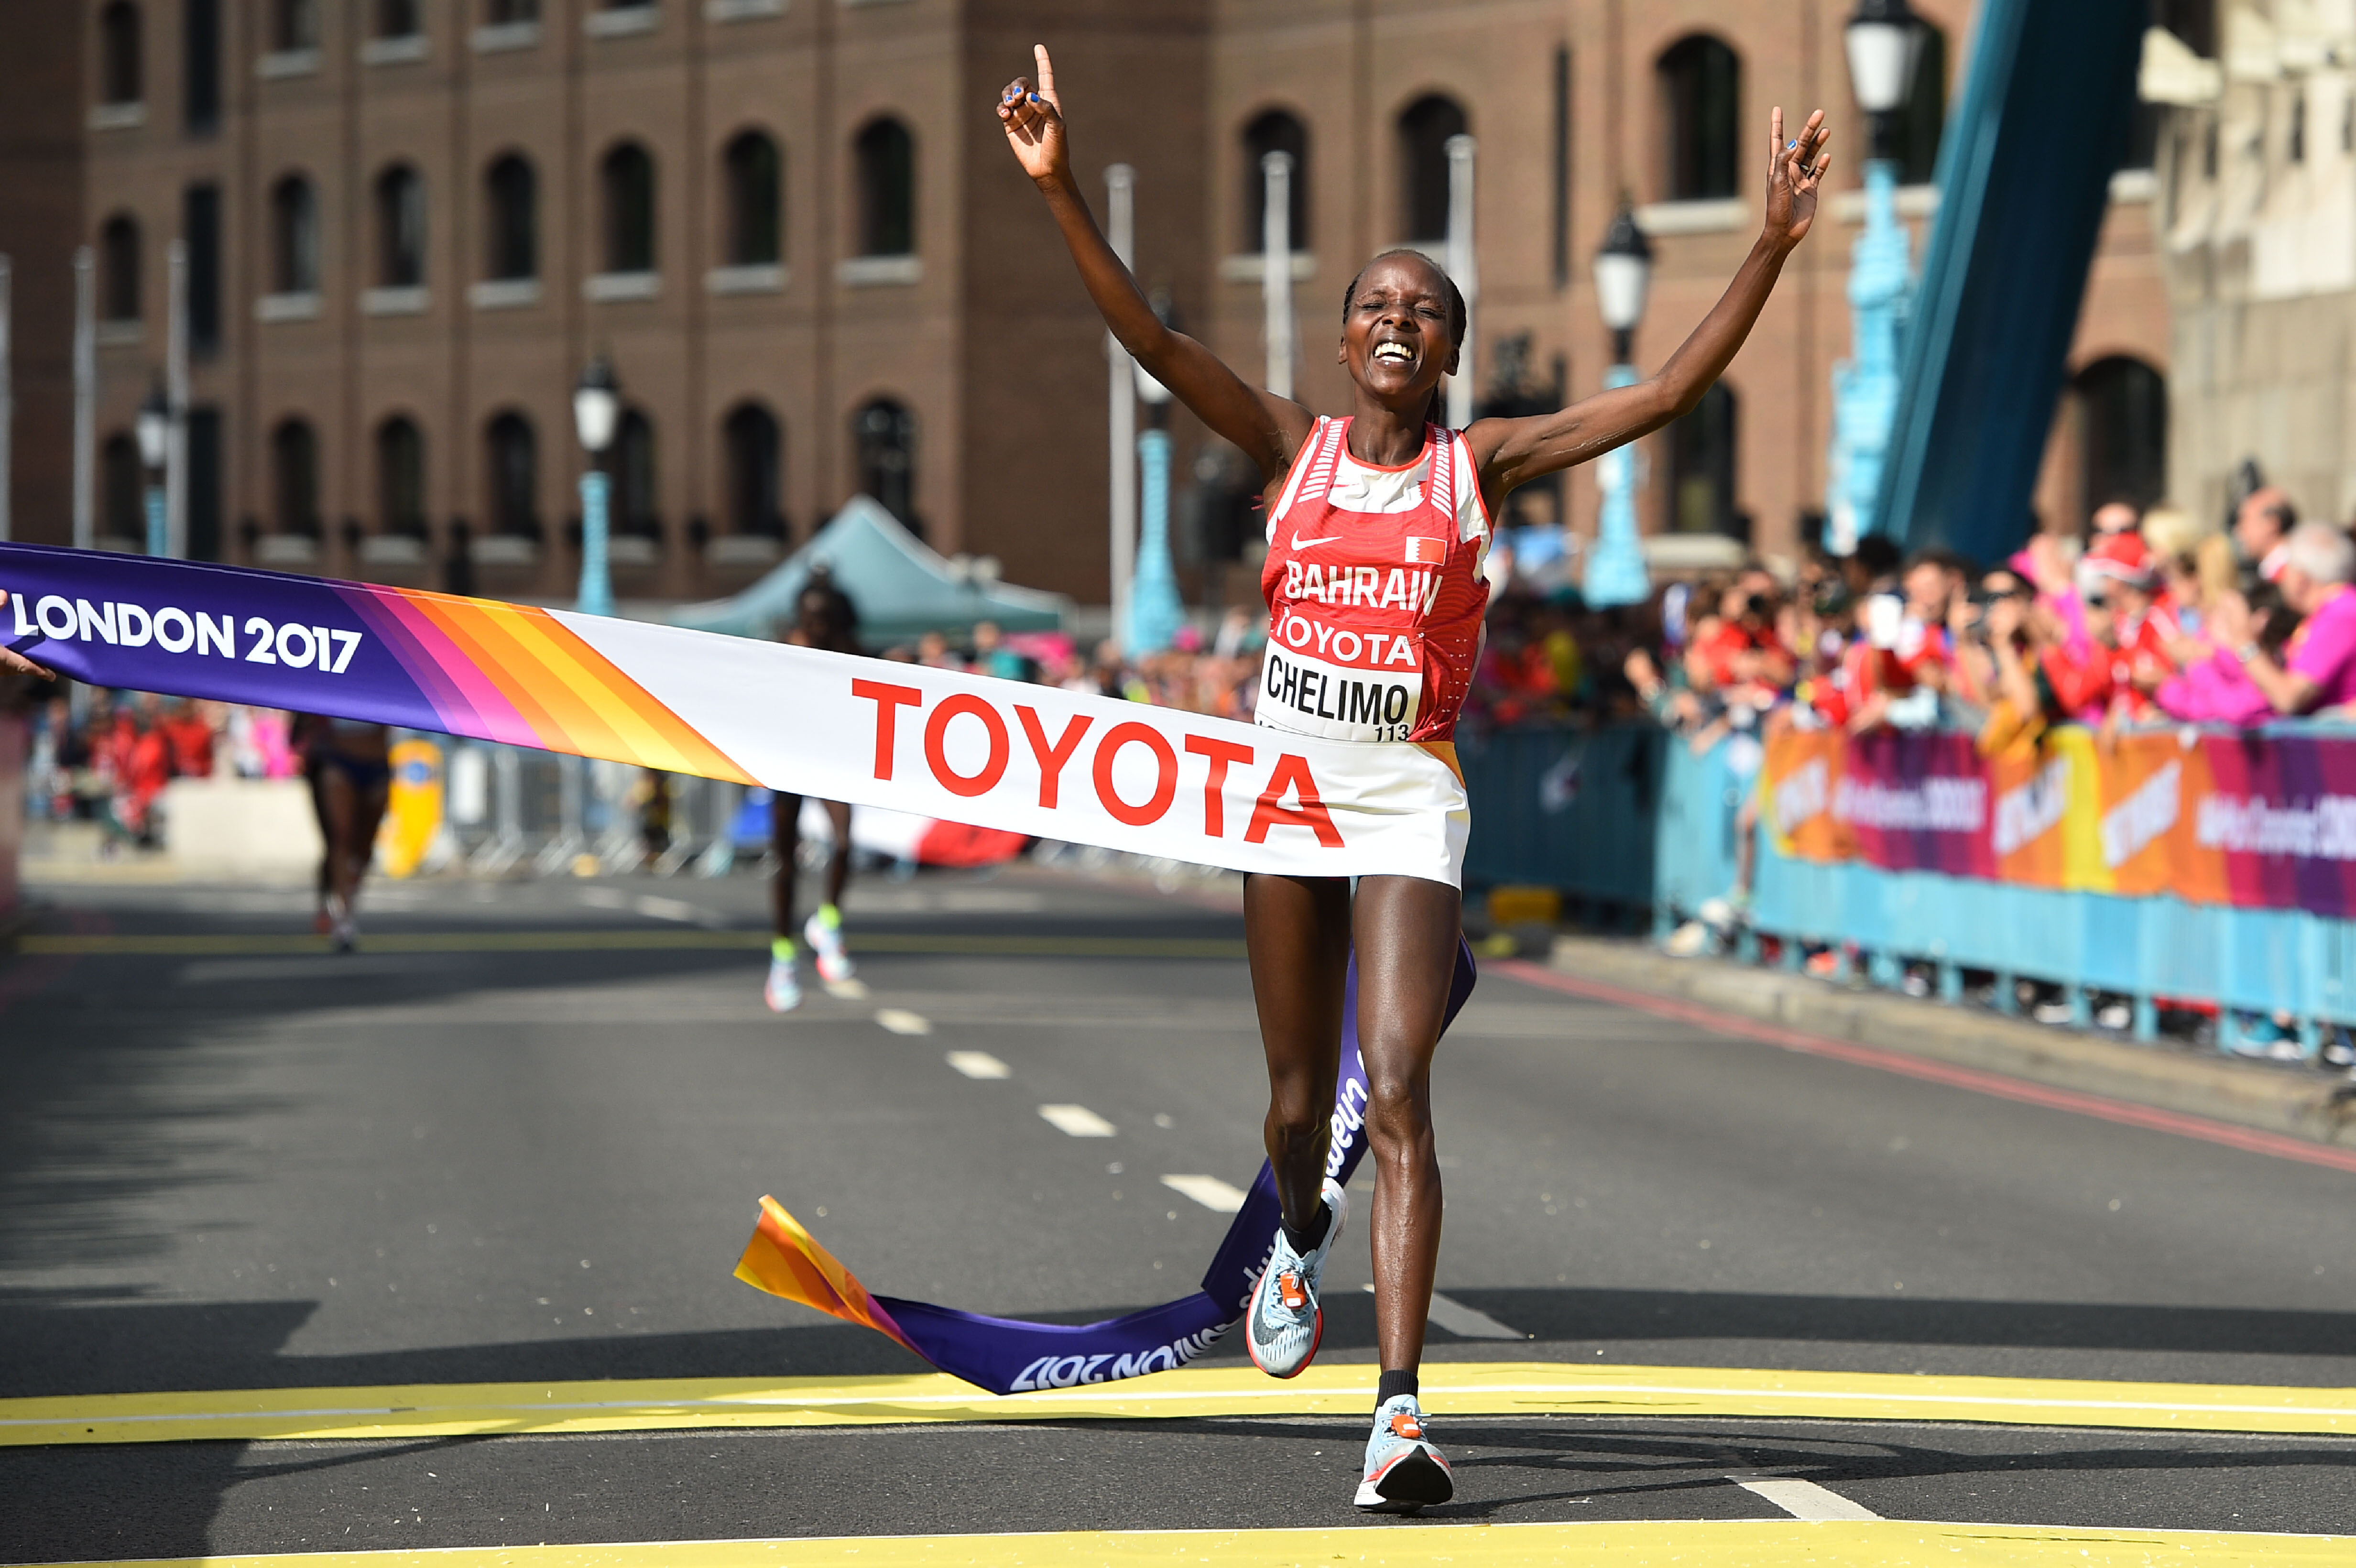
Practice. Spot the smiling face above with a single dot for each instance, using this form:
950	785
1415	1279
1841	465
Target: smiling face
1397	330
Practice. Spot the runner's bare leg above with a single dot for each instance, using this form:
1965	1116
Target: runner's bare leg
1406	932
1297	930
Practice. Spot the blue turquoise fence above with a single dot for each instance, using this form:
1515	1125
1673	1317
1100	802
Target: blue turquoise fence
1634	817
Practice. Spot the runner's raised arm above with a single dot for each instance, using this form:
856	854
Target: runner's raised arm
1268	427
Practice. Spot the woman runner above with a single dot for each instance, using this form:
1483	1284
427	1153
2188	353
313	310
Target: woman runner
824	618
349	763
1378	524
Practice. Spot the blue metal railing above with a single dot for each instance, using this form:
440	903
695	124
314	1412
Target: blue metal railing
1635	817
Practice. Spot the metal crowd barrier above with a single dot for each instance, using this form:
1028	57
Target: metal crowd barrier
510	808
1633	816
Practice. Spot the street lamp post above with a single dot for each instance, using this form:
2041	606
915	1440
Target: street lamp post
1464	270
1623	273
596	410
1885	43
1155	612
153	429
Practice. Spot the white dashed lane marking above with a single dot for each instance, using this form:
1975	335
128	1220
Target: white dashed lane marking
1077	1121
1803	1500
674	909
978	1064
1465	1322
900	1020
1209	1191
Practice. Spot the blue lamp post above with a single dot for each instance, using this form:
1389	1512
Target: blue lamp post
1885	42
596	410
1624	272
152	431
1155	613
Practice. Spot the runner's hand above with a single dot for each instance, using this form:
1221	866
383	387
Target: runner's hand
10	659
1034	118
1795	170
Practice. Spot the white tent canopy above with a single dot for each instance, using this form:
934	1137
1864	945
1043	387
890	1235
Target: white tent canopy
900	587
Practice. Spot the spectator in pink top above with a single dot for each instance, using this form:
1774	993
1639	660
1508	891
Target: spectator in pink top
2319	666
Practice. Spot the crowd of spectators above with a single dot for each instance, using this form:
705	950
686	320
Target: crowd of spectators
110	762
2148	618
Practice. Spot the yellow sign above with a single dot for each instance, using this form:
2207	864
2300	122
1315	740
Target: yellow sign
412	813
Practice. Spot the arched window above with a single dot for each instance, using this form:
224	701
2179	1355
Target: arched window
295	477
1701	106
400	228
511	225
200	50
1701	466
634	476
118	54
2121	431
296	25
401	478
886	434
511	468
295	237
1424	128
886	158
118	268
756	466
501	13
626	180
400	18
1274	132
1916	145
757	201
122	484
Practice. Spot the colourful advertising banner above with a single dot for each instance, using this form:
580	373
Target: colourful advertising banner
2253	819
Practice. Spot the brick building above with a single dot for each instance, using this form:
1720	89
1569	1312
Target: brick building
793	227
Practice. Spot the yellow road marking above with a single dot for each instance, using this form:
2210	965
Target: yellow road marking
1454	1388
591	940
1757	1544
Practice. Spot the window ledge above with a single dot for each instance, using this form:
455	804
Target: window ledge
632	550
856	5
624	22
1721	216
742	10
118	116
121	334
499	37
743	549
504	293
286	549
613	288
504	550
279	65
1913	201
758	278
392	549
1251	267
273	308
411	301
410	48
878	271
2129	187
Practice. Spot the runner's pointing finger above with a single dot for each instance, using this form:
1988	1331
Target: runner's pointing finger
1047	76
11	660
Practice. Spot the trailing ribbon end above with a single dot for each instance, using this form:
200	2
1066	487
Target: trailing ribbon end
786	1260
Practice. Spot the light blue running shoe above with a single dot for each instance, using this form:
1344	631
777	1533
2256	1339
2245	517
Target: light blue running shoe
1284	1323
1403	1472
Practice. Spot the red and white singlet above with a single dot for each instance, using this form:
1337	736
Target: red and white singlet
1374	592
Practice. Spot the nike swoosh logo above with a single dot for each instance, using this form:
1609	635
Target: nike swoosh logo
1300	543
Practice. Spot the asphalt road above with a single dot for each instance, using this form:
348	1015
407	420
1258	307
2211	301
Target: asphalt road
537	1156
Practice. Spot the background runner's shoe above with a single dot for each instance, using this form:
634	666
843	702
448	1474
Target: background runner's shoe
1403	1472
784	991
1284	1323
825	938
